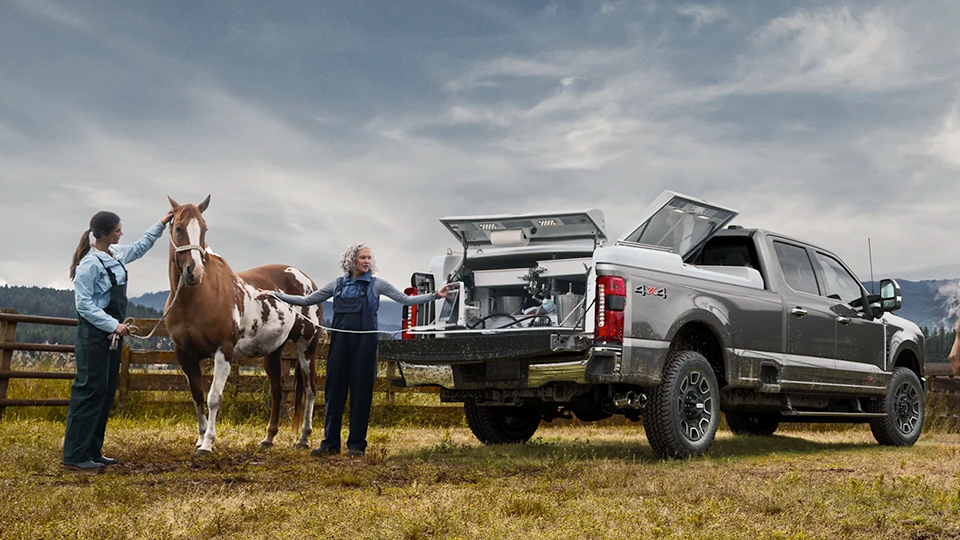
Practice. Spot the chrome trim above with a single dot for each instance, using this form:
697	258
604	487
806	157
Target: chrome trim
627	243
427	375
646	343
541	374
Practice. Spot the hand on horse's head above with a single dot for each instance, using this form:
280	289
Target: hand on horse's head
167	218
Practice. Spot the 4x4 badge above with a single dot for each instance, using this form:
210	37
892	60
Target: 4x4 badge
647	290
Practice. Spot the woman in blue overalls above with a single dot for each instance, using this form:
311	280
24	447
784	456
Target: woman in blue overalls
352	361
99	275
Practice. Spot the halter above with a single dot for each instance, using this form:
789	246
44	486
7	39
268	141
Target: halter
188	247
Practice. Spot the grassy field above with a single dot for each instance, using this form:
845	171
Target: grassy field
438	482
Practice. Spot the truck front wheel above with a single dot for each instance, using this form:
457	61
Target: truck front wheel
904	409
682	417
502	425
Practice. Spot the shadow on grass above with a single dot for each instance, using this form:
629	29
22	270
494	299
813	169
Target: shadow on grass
637	450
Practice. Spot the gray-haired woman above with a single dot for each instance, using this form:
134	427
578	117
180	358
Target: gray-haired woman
352	362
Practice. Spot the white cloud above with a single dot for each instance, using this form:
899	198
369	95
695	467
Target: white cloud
703	15
945	145
829	49
552	112
3	282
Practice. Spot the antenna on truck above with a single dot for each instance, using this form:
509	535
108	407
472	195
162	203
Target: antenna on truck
870	253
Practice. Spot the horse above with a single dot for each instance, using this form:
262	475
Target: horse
214	312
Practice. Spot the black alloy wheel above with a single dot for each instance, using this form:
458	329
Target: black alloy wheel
904	409
682	417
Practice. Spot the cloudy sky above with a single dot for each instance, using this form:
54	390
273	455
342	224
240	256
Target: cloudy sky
315	124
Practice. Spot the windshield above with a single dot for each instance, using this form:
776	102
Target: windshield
681	225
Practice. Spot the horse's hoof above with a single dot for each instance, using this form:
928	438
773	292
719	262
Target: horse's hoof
301	446
264	445
201	453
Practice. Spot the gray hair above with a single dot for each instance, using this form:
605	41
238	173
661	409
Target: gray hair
348	259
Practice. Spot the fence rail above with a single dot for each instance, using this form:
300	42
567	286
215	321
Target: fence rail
941	381
150	370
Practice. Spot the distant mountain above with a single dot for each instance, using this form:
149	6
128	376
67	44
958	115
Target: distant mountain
929	303
153	300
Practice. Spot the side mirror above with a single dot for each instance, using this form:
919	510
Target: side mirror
891	298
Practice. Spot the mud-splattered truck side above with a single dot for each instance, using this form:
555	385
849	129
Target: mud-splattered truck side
680	319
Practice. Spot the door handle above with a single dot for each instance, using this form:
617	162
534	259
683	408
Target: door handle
843	320
798	311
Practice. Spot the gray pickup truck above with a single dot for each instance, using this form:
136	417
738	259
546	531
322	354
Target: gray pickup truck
680	319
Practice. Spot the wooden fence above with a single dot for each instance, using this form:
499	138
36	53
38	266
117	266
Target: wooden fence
150	370
943	386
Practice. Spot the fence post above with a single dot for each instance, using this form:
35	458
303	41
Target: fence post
124	372
8	331
391	373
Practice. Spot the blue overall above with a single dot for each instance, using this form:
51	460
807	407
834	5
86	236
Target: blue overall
351	363
98	370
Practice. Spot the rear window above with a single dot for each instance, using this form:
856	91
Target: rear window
728	251
797	268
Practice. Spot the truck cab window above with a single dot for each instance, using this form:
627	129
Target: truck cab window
797	268
838	282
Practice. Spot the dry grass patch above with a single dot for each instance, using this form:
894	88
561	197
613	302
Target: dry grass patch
420	482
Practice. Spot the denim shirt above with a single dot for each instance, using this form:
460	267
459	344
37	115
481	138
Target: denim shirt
91	284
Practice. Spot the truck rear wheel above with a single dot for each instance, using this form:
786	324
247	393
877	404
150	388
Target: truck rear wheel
904	406
502	425
682	417
756	424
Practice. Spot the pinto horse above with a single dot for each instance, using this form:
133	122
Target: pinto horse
213	312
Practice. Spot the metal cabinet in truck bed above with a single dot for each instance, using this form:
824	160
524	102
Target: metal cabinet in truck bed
680	319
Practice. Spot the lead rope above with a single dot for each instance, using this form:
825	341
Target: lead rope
115	338
298	314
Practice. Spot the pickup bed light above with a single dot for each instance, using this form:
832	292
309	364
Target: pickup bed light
611	300
409	315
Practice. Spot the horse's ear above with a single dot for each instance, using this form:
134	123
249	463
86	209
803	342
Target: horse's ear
173	203
203	206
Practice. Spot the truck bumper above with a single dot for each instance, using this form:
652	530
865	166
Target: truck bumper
524	361
599	365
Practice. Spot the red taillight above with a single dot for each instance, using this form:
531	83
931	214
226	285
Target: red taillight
409	315
611	300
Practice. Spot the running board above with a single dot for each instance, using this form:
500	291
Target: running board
833	414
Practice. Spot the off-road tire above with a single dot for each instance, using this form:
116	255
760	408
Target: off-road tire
904	408
502	425
761	425
684	410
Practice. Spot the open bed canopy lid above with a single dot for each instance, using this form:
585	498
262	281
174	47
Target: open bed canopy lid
679	223
522	229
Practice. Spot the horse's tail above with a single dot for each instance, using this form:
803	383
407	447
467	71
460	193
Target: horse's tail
299	400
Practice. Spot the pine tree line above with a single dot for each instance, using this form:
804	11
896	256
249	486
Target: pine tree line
50	302
938	343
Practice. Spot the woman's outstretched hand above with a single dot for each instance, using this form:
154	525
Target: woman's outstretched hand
261	294
167	218
443	291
